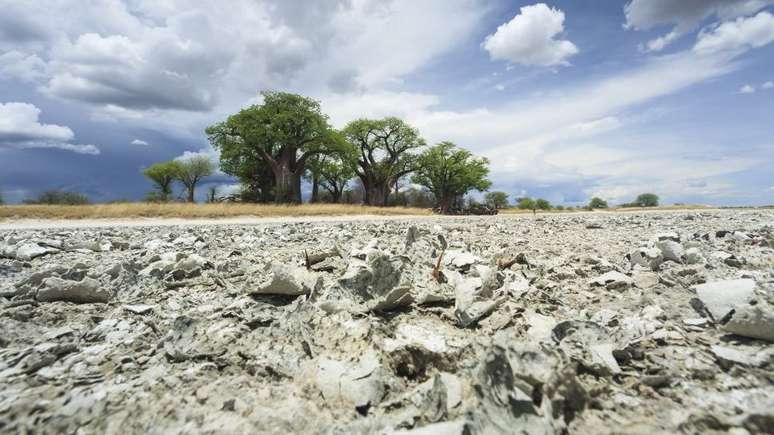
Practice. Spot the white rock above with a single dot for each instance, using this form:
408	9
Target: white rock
693	256
752	321
722	297
85	291
671	250
612	277
291	281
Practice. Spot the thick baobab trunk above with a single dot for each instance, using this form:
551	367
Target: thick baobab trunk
377	195
287	189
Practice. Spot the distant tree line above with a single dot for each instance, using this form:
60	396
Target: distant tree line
273	146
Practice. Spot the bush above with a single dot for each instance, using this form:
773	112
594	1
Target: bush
597	202
525	203
1	199
542	204
56	197
496	200
647	200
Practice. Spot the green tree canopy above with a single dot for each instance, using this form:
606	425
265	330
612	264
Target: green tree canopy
647	200
526	204
597	202
496	200
450	172
240	160
162	175
192	170
285	131
384	155
542	204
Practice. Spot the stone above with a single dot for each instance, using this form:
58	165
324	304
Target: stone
671	250
693	256
289	281
754	321
612	279
29	251
720	298
86	291
647	257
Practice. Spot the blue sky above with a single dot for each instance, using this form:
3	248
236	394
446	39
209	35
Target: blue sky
568	99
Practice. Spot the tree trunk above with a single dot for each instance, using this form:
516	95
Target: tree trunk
287	189
445	204
315	188
377	195
191	193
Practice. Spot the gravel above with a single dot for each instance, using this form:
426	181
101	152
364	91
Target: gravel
569	323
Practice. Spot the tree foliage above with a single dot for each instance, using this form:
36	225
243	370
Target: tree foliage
282	133
384	154
496	200
526	204
647	200
191	171
162	175
450	172
597	202
542	204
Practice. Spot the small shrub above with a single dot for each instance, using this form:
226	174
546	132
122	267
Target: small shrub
56	197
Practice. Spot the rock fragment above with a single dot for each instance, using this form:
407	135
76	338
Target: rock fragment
754	321
289	281
720	298
86	291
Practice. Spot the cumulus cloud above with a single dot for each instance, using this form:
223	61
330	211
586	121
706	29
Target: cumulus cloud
139	142
747	89
768	85
742	33
20	128
196	56
530	38
683	15
23	67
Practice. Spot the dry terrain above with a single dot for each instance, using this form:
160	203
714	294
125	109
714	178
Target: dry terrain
657	322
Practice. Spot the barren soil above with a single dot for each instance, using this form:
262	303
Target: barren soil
566	323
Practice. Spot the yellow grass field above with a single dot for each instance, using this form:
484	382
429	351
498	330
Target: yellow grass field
180	210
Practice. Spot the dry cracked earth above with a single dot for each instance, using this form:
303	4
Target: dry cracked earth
578	323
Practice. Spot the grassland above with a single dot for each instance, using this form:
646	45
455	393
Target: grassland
180	210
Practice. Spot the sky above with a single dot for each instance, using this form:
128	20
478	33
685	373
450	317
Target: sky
568	99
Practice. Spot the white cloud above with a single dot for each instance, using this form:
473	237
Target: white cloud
139	142
684	15
19	122
530	38
742	33
747	89
129	59
20	128
768	85
23	67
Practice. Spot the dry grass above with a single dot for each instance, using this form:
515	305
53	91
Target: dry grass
178	210
514	210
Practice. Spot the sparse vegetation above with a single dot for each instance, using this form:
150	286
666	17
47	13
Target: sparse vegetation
57	197
497	200
195	211
597	203
647	200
